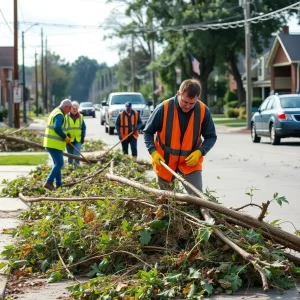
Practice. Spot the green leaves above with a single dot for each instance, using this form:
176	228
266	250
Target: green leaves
279	199
145	236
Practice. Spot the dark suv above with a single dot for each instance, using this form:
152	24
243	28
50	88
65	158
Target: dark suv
277	117
87	109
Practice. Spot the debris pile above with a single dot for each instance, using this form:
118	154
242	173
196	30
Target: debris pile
112	223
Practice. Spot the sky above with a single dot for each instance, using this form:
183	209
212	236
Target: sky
68	42
86	39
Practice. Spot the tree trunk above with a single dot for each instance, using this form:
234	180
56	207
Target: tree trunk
206	67
233	69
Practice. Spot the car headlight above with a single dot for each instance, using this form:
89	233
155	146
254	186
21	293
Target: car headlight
113	113
146	113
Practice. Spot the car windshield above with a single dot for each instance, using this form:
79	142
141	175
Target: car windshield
290	102
122	99
86	104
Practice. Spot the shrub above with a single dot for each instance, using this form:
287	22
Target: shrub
4	113
230	96
232	104
232	112
242	113
256	101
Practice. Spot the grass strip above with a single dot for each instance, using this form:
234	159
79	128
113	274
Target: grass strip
24	160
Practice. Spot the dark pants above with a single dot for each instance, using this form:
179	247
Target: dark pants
71	150
194	178
133	145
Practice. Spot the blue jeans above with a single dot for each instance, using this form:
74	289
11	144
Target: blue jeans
71	150
133	144
58	160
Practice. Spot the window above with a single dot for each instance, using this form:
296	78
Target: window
264	104
271	103
260	67
122	99
290	102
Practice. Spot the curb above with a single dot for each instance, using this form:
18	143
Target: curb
3	283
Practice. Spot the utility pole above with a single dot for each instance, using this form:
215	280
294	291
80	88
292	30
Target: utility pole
246	4
42	73
105	85
153	73
132	66
46	76
24	83
16	66
36	87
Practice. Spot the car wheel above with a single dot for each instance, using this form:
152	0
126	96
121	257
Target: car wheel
254	137
111	130
274	138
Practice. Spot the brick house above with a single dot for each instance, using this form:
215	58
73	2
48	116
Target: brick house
6	73
277	69
284	64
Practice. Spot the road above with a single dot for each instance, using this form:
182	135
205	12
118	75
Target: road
235	165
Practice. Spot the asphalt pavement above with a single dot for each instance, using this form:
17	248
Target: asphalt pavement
11	207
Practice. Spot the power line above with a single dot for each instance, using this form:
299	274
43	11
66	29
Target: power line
6	21
188	27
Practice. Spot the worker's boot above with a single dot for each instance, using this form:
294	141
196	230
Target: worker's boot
49	186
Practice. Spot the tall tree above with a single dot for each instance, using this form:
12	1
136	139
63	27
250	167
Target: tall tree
58	71
83	72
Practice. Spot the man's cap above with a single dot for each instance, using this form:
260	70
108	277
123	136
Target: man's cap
128	104
65	102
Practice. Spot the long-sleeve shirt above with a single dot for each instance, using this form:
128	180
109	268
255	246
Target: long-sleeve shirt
130	126
58	123
154	124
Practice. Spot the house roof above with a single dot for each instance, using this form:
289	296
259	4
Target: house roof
290	44
6	57
255	55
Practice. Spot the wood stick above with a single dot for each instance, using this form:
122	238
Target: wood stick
293	241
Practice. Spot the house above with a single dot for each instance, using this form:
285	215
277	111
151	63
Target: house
277	69
284	63
6	74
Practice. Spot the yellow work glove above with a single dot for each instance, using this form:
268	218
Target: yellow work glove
67	140
193	158
157	158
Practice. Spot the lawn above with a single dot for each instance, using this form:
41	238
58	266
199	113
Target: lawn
24	160
229	122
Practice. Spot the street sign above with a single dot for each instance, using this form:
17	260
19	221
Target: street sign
17	94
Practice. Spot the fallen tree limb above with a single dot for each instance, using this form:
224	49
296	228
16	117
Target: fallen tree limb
33	144
287	239
39	199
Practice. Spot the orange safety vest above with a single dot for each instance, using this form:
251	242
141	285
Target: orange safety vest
124	123
168	143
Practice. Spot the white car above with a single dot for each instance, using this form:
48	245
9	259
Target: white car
116	103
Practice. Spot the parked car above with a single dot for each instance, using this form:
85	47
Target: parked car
116	103
87	109
277	117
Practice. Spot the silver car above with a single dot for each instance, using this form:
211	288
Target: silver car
277	117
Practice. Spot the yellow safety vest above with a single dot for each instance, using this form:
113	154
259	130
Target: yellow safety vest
74	127
51	138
